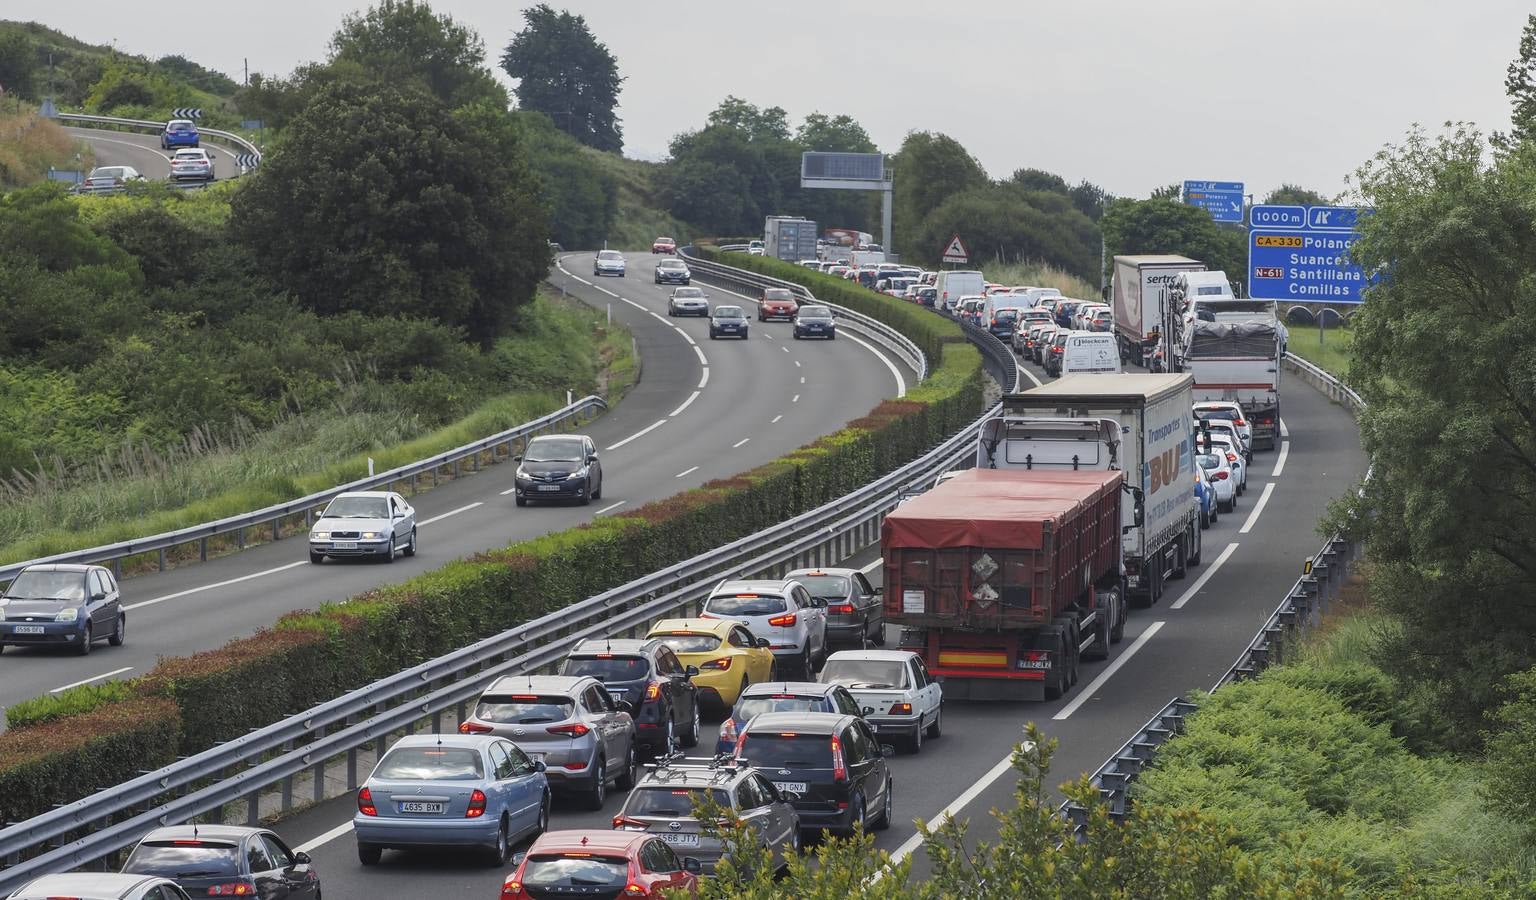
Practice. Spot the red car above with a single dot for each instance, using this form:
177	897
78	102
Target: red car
776	303
663	245
600	864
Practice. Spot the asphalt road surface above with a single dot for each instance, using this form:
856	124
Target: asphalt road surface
142	151
1250	559
702	410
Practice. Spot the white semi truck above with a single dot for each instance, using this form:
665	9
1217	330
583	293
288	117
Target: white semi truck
1142	307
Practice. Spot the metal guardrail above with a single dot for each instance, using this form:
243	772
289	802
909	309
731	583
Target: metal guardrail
272	516
250	149
999	357
334	733
1306	601
878	331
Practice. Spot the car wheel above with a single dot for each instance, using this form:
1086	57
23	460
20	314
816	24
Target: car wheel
316	558
937	728
120	632
1224	507
85	645
389	549
670	746
856	812
369	854
598	792
805	666
797	335
502	849
598	494
879	639
631	774
711	334
884	822
543	824
1205	519
832	336
915	743
691	736
410	548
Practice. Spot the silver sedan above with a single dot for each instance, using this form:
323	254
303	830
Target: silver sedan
364	523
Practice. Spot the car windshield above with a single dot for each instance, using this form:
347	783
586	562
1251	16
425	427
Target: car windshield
671	264
1208	461
109	172
357	508
180	127
783	749
577	870
745	605
553	450
747	707
728	312
665	240
1006	315
688	642
48	586
777	294
815	312
874	674
828	587
430	764
688	293
184	859
1218	412
524	709
605	667
609	254
669	801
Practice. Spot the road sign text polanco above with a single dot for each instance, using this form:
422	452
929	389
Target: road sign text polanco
1301	253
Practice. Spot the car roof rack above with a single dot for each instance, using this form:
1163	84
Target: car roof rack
676	765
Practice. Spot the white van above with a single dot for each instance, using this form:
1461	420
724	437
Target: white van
1030	297
1090	352
959	283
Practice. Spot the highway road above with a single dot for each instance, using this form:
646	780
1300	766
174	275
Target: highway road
142	151
1251	558
702	410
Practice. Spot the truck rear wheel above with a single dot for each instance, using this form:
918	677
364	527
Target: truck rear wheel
1180	557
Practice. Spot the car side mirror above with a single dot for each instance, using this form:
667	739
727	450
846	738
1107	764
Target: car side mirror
518	458
301	859
538	765
624	706
887	750
762	643
691	671
518	857
399	514
98	596
869	710
879	590
592	458
818	602
692	866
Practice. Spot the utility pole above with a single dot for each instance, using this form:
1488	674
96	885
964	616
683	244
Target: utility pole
247	71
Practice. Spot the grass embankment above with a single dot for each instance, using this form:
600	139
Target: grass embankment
1039	274
1331	352
564	345
30	145
1315	759
640	216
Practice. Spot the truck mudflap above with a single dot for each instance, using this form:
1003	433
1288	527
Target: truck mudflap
1266	427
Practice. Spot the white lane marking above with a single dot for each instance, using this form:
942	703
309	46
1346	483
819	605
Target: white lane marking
1253	517
89	680
785	349
948	812
703	379
634	304
775	419
702	360
217	584
872	566
768	335
687	471
802	379
451	512
795	398
1086	694
1204	577
901	383
685	334
1030	375
510	490
610	507
797	363
660	318
608	292
740	442
691	397
1285	450
639	434
320	840
1284	432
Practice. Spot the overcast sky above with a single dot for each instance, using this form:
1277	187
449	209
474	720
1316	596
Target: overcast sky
1128	94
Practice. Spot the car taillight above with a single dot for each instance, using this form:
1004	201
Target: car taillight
901	709
365	803
233	889
511	889
1239	423
476	804
622	822
474	728
653	690
719	665
783	621
1231	457
728	730
844	609
574	730
839	769
635	889
1221	476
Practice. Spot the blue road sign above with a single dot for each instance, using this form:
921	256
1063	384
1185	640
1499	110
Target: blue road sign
1302	254
1222	199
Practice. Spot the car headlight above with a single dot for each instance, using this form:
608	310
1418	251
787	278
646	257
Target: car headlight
579	473
370	535
319	535
67	615
523	476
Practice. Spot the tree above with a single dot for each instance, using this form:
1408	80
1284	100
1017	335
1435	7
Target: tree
564	72
1165	225
18	64
834	134
1510	783
377	202
1296	195
1013	224
929	169
1520	84
405	42
757	125
1445	356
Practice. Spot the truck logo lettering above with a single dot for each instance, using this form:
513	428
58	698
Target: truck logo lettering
1165	467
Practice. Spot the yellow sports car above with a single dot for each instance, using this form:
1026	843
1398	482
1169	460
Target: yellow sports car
728	655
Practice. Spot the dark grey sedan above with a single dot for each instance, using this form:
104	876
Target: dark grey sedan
61	605
559	467
728	321
854	607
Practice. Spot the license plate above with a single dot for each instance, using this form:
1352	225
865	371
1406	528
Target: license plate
681	840
549	487
796	786
28	629
345	545
420	806
1034	664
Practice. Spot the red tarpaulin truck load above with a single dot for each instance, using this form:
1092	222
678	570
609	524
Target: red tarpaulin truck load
1003	578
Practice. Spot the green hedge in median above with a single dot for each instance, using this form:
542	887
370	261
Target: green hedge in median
312	656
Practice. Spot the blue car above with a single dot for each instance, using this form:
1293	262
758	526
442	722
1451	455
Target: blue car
179	133
451	790
1205	495
62	605
783	696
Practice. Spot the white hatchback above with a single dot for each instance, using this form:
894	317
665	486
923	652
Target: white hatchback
784	612
1230	410
893	688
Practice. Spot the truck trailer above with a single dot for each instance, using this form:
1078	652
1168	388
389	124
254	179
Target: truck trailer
1139	289
789	238
1240	360
1004	579
1141	424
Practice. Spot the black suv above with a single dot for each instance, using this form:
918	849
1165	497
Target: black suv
650	677
831	762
